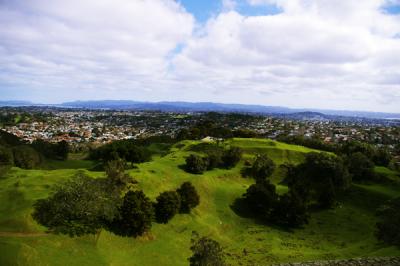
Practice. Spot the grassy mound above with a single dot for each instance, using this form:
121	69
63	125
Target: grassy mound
344	232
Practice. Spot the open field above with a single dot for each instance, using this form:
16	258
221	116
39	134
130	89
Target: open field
344	232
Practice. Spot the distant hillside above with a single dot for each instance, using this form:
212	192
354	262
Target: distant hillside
206	107
15	103
220	107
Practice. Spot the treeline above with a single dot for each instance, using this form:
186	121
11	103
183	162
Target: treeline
315	181
209	128
85	205
215	157
14	152
379	156
318	181
132	151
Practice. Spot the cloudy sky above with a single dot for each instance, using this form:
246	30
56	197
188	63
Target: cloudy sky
337	54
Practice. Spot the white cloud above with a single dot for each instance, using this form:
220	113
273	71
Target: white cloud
315	53
83	44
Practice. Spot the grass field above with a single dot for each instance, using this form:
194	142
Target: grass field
344	232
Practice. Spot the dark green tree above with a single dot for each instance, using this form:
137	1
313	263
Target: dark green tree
319	178
388	227
360	167
262	167
26	157
6	160
167	205
382	157
231	157
134	216
205	252
62	150
196	164
290	211
189	197
77	207
261	198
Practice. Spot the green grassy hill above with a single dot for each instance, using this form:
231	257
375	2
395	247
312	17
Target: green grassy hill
344	232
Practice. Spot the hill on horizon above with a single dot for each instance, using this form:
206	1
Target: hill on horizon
182	106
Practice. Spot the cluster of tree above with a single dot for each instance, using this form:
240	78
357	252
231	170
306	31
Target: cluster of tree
388	227
6	160
379	156
13	118
84	205
360	167
216	157
205	252
210	128
318	180
14	152
127	150
314	143
56	151
170	203
261	168
264	203
23	156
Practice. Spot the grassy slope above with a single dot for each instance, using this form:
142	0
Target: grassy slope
344	232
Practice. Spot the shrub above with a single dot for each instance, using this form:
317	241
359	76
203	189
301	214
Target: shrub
167	205
189	197
205	252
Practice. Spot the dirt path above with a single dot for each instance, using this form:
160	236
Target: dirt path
21	234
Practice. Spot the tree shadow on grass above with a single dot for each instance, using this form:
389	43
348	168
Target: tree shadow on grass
241	209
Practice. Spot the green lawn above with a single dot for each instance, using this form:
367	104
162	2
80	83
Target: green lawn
344	232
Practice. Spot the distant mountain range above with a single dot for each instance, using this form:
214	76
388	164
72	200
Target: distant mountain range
205	107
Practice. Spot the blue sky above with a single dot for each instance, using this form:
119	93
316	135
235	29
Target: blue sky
204	9
341	54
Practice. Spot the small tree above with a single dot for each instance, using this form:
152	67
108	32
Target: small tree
134	216
116	176
263	167
196	164
167	205
206	252
189	197
388	228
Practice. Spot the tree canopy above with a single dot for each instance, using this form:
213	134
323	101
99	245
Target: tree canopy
79	206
